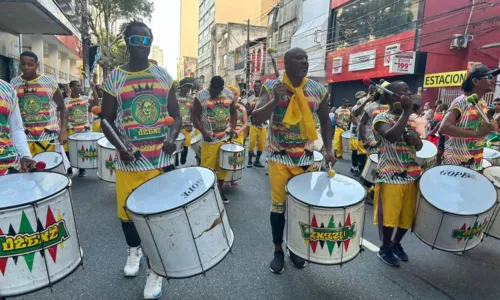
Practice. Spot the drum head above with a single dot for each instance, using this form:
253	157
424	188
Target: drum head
318	156
196	139
457	190
374	158
486	164
428	150
103	142
493	174
86	136
232	148
490	153
180	137
346	134
317	189
170	190
51	159
25	188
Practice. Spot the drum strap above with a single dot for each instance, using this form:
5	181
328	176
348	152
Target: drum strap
41	146
380	213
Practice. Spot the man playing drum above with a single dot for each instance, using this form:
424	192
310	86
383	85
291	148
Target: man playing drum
14	150
137	100
213	113
40	100
396	181
358	159
186	109
342	120
241	119
258	131
463	124
291	101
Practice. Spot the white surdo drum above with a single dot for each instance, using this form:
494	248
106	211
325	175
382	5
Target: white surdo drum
53	161
492	156
493	227
455	205
231	157
179	143
83	149
346	145
486	164
38	238
370	170
107	158
233	176
196	144
186	231
426	157
325	217
318	161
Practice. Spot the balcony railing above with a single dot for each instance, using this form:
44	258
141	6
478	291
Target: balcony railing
71	77
48	70
63	76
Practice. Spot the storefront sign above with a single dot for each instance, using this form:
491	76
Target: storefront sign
403	62
389	51
337	65
362	60
444	79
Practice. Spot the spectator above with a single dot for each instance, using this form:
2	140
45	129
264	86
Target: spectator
419	120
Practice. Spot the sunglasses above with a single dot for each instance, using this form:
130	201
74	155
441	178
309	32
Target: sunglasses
137	40
488	77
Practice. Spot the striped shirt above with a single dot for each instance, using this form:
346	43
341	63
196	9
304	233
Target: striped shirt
240	109
8	153
465	152
37	106
216	114
286	145
343	117
142	99
372	110
253	102
396	161
78	116
185	106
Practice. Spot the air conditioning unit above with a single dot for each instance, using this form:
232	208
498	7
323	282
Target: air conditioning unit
459	41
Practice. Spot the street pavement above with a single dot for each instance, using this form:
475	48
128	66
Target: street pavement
244	274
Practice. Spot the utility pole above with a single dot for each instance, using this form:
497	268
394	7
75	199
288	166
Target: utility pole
85	41
249	63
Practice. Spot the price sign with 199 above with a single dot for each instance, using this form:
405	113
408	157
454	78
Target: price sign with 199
403	62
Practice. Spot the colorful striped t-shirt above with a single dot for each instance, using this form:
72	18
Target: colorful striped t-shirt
140	118
216	113
8	153
185	106
78	113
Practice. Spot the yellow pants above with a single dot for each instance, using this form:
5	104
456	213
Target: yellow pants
36	149
196	132
357	145
96	125
398	204
210	158
68	132
126	182
246	132
337	141
240	139
257	136
187	135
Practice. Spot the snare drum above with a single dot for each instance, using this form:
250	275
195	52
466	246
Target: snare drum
346	145
370	170
325	217
196	144
83	149
493	156
38	236
318	161
426	157
107	158
186	232
493	228
52	160
455	205
179	143
231	157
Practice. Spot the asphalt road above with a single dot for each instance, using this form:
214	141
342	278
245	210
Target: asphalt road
244	274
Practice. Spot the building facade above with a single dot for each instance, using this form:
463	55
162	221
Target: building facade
188	45
157	54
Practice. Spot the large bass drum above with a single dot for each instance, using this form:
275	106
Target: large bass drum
493	228
83	149
39	243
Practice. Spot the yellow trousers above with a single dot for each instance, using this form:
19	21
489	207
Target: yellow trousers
240	139
187	135
35	147
398	204
258	136
357	145
337	141
210	158
68	132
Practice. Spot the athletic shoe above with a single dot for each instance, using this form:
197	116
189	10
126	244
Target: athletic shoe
152	290
398	251
249	164
298	262
278	263
82	173
224	198
257	164
70	171
134	260
387	256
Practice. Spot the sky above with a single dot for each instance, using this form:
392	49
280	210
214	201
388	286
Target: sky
165	24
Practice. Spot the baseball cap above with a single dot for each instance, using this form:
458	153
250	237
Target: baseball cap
360	94
479	71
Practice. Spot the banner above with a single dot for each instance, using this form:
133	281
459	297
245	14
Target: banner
94	56
445	79
389	51
362	60
337	65
403	62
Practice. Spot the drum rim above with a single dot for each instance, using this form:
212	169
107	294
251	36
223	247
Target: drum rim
235	144
73	139
66	187
102	146
46	169
320	206
493	151
452	213
493	182
177	207
427	156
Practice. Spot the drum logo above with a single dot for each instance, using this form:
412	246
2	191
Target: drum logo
465	233
27	241
331	235
145	108
89	153
110	164
236	160
192	188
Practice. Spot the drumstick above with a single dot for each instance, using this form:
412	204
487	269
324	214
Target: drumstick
105	123
331	172
472	99
272	51
368	81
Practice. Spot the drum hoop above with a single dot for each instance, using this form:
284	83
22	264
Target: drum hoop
93	140
452	213
320	206
496	186
66	187
102	146
229	151
49	169
172	209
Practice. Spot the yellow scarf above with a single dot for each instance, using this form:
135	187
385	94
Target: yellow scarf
298	110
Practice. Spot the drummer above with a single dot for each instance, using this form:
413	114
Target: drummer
358	156
258	132
137	95
40	100
342	120
15	154
292	136
464	127
186	109
241	120
96	123
213	113
396	181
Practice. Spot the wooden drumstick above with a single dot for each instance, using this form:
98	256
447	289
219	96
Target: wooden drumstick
121	145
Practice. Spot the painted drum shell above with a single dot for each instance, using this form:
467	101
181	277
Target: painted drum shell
87	141
346	145
448	204
370	169
426	157
493	228
107	158
233	176
53	161
231	157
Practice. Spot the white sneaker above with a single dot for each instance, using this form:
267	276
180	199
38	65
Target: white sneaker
152	290
134	260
